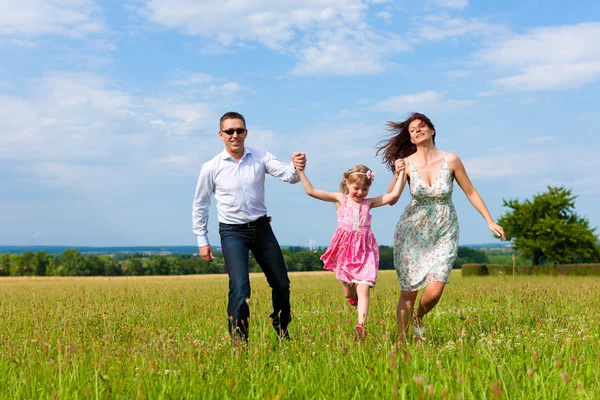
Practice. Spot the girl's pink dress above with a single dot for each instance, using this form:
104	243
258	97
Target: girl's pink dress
353	253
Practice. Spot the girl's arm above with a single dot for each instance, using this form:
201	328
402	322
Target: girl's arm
318	193
394	195
458	169
400	165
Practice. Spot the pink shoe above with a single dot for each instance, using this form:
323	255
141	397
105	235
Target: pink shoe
352	302
360	332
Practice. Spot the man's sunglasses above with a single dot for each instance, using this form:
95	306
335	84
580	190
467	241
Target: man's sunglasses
239	131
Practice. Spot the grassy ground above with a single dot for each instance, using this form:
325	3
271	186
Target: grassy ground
165	337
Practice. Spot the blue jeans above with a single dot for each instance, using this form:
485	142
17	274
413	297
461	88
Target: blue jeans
236	242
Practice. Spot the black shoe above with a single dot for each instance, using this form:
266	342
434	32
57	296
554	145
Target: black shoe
282	334
238	337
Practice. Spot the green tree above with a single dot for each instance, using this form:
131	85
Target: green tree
548	228
159	265
5	264
110	265
386	257
467	255
74	263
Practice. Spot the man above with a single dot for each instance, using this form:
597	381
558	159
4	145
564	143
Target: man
236	178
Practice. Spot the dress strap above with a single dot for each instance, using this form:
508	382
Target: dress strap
411	165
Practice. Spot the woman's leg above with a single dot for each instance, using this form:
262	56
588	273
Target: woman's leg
431	296
363	291
406	303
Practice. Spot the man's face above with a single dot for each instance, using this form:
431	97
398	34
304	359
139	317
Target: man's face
233	133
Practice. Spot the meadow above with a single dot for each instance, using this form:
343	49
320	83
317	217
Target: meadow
165	338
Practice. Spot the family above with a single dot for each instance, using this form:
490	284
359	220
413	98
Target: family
425	239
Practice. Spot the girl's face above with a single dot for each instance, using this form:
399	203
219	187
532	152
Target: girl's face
419	131
357	191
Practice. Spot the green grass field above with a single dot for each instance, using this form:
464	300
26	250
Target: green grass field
165	337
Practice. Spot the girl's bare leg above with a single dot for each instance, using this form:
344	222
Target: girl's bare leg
349	290
364	291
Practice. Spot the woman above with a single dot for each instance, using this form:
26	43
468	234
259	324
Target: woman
426	237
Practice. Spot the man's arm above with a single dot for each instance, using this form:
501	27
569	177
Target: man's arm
204	189
280	170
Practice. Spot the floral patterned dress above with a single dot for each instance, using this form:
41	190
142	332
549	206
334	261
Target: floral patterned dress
353	253
426	238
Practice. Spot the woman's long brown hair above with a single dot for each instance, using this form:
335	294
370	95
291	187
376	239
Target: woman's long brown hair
399	144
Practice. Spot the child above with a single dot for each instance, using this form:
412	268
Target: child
353	253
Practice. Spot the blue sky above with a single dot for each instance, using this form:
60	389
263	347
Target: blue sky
108	109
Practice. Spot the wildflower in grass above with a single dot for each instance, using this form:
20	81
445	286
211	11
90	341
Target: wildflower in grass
431	390
496	390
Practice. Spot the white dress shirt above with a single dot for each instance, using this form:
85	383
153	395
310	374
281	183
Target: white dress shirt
238	186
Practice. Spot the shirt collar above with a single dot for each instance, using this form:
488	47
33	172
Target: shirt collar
225	155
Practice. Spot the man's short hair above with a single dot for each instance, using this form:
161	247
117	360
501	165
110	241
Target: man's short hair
231	115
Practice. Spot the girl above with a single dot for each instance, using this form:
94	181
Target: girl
353	253
426	238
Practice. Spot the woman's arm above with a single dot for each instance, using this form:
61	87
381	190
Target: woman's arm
318	193
392	196
458	169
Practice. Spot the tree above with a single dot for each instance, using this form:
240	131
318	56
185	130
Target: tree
548	228
73	263
5	264
467	255
386	257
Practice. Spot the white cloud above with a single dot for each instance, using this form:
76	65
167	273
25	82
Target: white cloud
549	45
535	164
461	73
65	116
540	140
80	130
550	58
33	18
29	44
350	54
179	117
327	36
183	78
455	4
431	100
269	21
384	15
442	27
551	77
208	85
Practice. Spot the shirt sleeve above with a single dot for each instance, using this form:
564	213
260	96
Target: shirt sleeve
280	170
204	189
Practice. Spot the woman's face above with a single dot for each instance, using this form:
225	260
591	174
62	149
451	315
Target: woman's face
420	132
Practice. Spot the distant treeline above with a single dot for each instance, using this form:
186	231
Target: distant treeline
72	263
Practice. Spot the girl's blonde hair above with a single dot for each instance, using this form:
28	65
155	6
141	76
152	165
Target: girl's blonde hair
356	174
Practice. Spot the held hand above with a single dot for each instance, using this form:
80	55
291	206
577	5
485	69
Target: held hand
399	165
206	253
497	230
299	160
